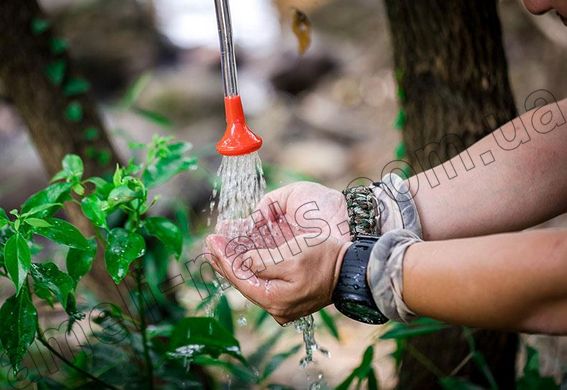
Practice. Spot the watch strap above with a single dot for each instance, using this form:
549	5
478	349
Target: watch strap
352	286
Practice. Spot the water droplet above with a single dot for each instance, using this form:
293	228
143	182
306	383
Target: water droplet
242	321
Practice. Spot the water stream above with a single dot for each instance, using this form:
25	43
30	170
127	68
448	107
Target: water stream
240	187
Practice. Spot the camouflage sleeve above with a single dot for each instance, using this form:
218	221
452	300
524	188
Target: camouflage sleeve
385	273
395	206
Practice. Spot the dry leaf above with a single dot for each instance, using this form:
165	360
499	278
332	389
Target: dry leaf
301	27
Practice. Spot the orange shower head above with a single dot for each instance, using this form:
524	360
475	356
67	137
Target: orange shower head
238	139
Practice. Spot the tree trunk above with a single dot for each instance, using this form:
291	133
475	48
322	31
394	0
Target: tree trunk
38	75
452	73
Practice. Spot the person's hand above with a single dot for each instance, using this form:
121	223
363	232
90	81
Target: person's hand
308	207
289	281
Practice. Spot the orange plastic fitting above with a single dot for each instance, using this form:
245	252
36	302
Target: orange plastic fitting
238	139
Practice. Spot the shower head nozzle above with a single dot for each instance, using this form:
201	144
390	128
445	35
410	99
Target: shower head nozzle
238	139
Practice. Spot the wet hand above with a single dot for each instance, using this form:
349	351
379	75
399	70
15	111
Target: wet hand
310	207
289	281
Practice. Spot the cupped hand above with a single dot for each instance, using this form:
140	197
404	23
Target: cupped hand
289	281
310	207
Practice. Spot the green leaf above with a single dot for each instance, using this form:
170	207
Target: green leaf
480	361
154	117
360	372
401	94
37	222
47	201
73	166
19	324
79	189
120	195
92	134
242	373
79	262
64	233
102	187
345	384
277	360
95	210
223	314
39	26
58	45
372	380
418	327
262	317
103	157
456	383
17	258
76	86
264	349
205	332
4	219
171	162
400	151
366	364
329	323
167	232
47	276
400	121
133	93
74	112
123	247
55	71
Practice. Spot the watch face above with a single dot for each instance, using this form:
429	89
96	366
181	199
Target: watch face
362	313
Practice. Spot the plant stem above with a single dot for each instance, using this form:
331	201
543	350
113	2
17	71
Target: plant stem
70	364
144	326
425	361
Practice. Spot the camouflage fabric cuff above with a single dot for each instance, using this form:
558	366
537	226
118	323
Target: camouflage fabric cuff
385	274
395	206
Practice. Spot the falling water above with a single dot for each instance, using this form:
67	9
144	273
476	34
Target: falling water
242	185
240	188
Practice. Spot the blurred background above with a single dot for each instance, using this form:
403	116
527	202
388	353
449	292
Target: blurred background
326	115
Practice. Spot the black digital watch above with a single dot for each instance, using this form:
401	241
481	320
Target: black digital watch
352	295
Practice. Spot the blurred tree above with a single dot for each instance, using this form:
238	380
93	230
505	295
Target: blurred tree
453	79
53	100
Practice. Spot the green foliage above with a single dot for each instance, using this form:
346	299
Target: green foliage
165	160
49	280
17	259
456	383
55	71
58	45
362	372
165	231
418	327
203	335
531	378
400	120
39	25
74	112
19	324
329	323
100	200
76	86
123	247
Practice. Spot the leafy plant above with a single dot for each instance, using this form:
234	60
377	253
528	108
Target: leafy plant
363	372
101	200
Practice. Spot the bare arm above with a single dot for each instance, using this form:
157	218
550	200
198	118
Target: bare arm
526	183
508	281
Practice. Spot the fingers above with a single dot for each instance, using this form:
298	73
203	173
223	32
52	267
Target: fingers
245	262
277	197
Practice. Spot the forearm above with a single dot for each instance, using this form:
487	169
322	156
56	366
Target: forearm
511	281
520	188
